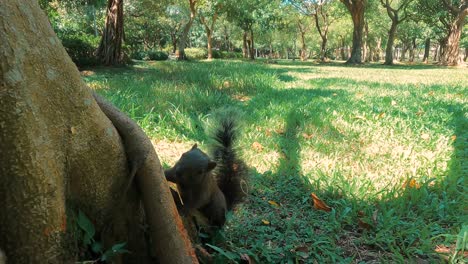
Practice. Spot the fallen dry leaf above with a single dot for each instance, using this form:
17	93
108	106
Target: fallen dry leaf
411	184
394	103
275	204
279	131
454	137
319	204
265	222
307	136
257	146
381	115
364	225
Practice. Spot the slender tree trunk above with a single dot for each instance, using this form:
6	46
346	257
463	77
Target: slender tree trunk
303	47
466	54
185	32
174	43
378	50
364	42
450	54
342	49
390	41
427	49
323	49
403	52
252	46
245	51
109	51
436	52
412	50
210	48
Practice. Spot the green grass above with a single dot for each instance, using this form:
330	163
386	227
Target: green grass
352	135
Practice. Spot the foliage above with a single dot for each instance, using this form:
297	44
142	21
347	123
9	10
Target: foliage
383	147
196	53
87	227
81	48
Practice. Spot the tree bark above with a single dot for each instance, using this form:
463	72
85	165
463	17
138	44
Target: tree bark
245	51
412	50
427	49
109	51
390	41
450	54
185	32
61	153
356	8
252	46
466	54
209	28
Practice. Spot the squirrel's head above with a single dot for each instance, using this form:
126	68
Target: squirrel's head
192	168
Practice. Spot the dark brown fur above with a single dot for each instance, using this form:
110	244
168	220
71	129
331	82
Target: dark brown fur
197	185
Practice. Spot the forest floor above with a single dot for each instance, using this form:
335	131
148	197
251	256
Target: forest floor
386	148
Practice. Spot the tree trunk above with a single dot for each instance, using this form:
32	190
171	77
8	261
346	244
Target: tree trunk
364	43
403	52
323	49
174	43
390	41
342	49
109	51
185	32
378	50
61	154
356	8
427	49
303	47
209	33
436	52
412	50
245	51
252	46
450	54
466	54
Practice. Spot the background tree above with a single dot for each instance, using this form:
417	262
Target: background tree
398	12
193	5
109	51
357	9
450	17
208	14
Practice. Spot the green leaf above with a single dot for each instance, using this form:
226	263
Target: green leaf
229	255
96	247
85	224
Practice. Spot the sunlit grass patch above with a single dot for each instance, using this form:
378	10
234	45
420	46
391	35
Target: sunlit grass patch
384	147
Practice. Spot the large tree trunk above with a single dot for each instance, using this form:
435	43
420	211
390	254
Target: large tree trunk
390	41
185	32
450	54
109	51
61	154
356	8
427	49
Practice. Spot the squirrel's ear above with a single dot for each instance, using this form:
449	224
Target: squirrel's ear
211	165
195	146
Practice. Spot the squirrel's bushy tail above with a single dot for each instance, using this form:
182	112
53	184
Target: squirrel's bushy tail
231	170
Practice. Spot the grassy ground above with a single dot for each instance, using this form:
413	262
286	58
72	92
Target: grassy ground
384	147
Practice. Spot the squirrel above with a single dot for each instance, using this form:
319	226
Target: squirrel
211	185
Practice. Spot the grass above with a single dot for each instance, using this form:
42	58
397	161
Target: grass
384	147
